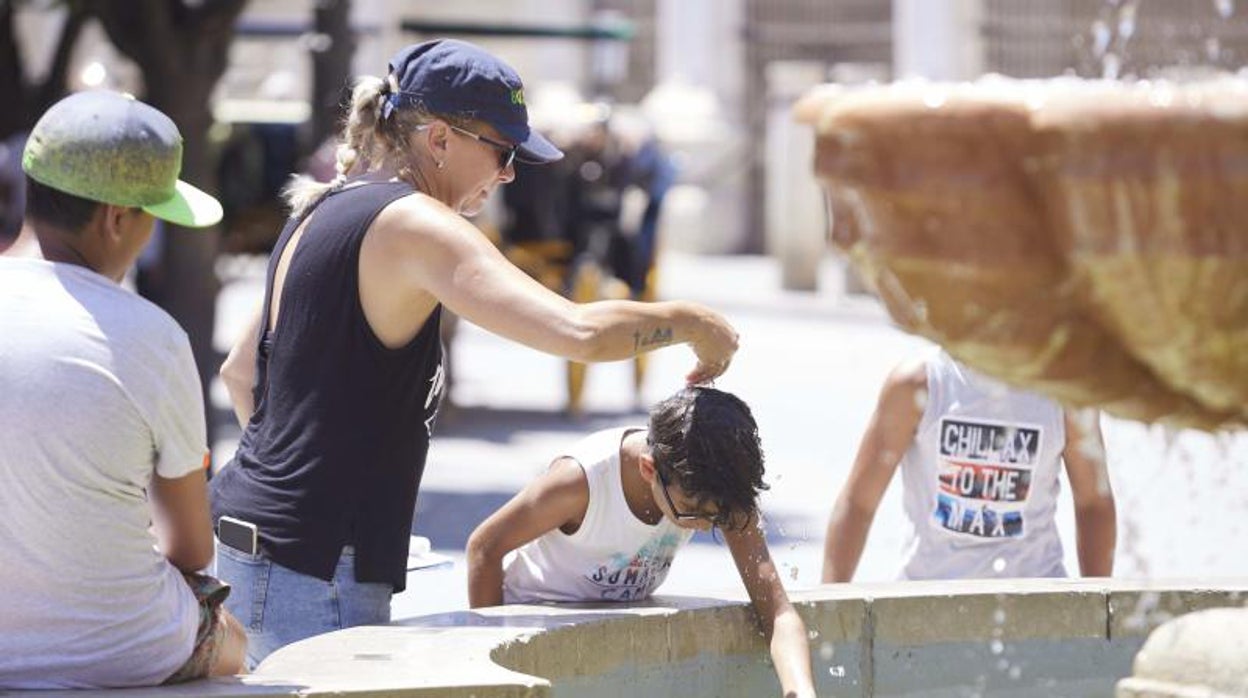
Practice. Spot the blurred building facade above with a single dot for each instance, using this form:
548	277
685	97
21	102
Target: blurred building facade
715	77
1104	38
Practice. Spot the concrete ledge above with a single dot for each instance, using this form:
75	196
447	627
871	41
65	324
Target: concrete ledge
1032	637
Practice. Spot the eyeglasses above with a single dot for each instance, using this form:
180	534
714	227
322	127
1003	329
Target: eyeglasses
676	513
506	151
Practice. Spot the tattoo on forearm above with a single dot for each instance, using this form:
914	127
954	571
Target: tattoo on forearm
661	336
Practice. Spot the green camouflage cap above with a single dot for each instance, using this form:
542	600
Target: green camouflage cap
112	148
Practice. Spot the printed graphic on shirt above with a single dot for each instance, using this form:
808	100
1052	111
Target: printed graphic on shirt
626	578
984	477
437	383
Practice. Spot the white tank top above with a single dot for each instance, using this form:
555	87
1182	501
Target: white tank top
981	479
613	556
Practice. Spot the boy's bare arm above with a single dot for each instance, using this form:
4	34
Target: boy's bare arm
182	518
785	631
556	499
1096	522
887	438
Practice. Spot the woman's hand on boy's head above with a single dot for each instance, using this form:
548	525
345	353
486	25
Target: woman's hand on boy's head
705	374
714	344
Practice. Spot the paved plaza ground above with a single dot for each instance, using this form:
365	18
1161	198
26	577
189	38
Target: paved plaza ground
810	365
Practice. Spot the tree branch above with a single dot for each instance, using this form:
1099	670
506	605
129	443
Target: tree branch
54	84
143	30
12	77
215	16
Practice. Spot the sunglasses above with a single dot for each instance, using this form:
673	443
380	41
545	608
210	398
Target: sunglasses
676	513
506	151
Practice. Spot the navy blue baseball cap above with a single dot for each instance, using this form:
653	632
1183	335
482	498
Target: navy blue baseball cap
452	77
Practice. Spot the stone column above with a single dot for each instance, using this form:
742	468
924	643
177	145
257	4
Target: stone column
794	214
695	107
937	39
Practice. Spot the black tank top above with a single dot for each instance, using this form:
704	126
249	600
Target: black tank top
334	453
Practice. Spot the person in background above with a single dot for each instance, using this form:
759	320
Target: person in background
980	463
338	380
12	188
606	520
102	486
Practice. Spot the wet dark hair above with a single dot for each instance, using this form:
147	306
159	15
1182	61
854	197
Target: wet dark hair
56	208
706	441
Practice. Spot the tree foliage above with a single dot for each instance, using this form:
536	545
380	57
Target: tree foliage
26	98
182	49
331	67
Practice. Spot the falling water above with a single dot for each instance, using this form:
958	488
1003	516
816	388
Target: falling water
1111	32
1181	500
1213	46
1116	24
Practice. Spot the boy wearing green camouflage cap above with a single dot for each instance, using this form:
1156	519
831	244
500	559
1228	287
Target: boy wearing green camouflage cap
102	423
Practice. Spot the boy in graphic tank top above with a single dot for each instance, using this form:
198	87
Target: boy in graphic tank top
980	464
605	521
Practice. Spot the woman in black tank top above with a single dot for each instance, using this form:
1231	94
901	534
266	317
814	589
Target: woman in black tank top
338	380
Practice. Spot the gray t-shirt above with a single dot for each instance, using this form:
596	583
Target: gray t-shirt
98	391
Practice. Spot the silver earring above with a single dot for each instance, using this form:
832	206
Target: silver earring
440	164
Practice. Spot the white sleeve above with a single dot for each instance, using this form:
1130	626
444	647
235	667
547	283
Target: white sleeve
179	430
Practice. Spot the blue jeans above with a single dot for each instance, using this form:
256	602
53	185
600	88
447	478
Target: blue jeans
279	606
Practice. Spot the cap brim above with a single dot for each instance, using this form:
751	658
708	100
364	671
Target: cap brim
189	207
536	150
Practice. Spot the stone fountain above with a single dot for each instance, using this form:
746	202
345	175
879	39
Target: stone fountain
1085	239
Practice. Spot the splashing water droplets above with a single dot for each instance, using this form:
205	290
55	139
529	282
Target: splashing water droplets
997	646
1101	36
1213	49
1111	65
1110	34
1126	22
1146	610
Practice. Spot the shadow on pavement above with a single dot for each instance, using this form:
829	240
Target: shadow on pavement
501	425
448	518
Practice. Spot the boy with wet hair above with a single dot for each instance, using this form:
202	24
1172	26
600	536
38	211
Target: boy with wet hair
605	521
